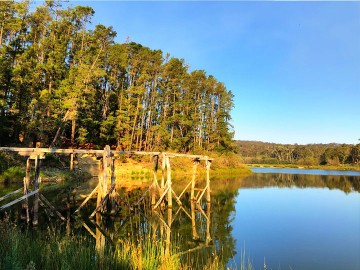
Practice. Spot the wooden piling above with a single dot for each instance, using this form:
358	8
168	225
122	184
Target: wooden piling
100	239
100	191
25	205
169	182
113	183
195	165
155	184
195	235
163	166
208	223
35	220
168	233
208	190
71	162
208	202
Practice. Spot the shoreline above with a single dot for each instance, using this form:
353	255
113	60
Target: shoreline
308	167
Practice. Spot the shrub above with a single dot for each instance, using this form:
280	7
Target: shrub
13	174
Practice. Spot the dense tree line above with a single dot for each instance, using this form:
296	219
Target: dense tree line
310	154
61	83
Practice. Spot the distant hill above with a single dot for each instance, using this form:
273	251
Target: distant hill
309	154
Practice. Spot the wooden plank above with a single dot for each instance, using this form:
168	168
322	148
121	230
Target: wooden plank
180	205
142	197
18	200
182	193
168	179
202	194
208	196
101	204
46	209
36	186
88	229
161	197
52	208
10	194
39	151
202	211
87	198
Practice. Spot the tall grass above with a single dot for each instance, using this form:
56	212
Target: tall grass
147	254
28	249
23	248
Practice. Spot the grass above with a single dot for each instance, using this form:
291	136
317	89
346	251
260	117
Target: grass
13	174
23	248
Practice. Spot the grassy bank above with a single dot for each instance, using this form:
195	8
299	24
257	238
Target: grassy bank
319	167
133	169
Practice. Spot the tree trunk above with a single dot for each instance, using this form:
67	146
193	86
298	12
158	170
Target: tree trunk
73	126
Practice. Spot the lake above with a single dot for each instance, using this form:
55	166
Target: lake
281	218
298	219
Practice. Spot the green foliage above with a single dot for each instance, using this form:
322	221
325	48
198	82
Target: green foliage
13	174
309	155
57	77
227	160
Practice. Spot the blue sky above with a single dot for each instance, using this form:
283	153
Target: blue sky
294	67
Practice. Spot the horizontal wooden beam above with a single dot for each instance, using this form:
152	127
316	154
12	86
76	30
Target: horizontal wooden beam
18	200
52	208
40	151
87	198
10	194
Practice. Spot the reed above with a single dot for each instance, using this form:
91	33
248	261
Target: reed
23	248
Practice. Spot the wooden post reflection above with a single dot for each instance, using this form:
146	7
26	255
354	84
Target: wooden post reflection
68	206
113	182
100	238
168	233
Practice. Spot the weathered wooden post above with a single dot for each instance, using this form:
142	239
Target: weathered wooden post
195	235
163	166
208	191
169	183
71	162
102	191
36	187
113	183
25	205
208	202
154	186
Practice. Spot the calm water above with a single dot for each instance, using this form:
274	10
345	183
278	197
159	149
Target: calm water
295	221
305	171
287	218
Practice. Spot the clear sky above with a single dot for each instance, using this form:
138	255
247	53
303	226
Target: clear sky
294	67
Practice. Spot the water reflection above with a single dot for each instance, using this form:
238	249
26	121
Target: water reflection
344	183
266	211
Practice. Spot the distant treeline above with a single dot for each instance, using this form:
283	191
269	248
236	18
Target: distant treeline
59	80
310	154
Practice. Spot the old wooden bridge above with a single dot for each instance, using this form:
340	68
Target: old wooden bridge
160	191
